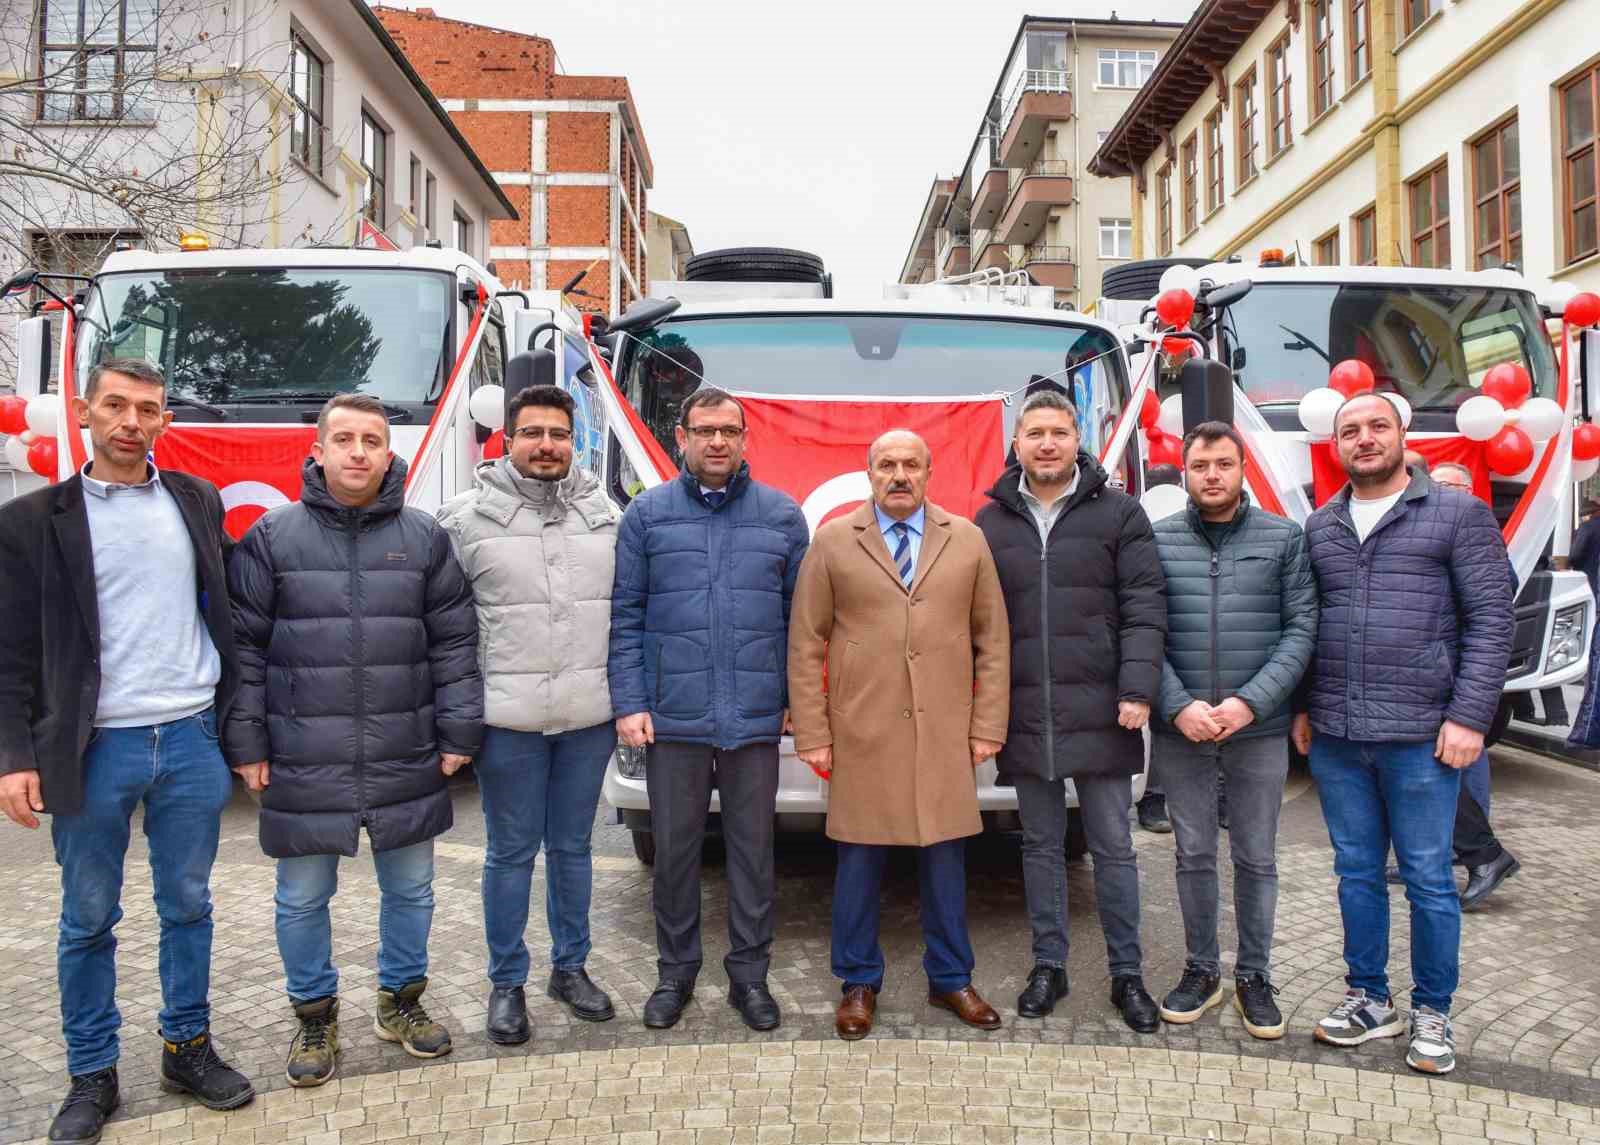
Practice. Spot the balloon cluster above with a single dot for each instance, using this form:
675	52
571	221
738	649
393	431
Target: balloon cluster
1507	419
30	425
1175	307
1349	378
1583	310
1163	428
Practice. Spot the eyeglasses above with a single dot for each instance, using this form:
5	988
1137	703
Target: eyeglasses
729	433
536	432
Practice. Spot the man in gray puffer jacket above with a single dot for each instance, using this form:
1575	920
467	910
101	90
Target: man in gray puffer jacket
538	540
1241	627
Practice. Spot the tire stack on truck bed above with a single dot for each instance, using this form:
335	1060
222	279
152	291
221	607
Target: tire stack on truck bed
1141	281
758	264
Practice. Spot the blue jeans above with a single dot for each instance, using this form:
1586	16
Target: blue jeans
1374	794
857	904
539	790
176	770
305	931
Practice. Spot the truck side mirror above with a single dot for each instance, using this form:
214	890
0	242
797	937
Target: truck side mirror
1207	388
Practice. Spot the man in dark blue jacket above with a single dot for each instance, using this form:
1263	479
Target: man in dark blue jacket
706	568
1413	636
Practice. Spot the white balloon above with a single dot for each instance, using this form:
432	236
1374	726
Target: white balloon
1480	417
488	406
1540	418
28	437
1403	407
1317	410
1179	277
17	455
1163	501
1171	419
43	413
1583	470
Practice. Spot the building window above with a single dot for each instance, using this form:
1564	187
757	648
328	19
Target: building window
95	57
414	199
1190	161
1319	18
430	206
374	165
1325	250
1497	197
1047	51
1116	238
1121	67
306	90
1581	156
1164	210
1416	12
1430	217
1244	126
1214	160
1280	130
1364	238
1358	30
461	231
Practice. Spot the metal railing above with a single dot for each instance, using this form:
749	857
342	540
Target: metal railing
1032	79
1046	252
1056	167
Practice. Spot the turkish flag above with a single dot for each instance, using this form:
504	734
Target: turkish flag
256	468
1328	476
816	449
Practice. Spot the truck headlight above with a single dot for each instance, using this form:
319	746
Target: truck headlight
630	761
1566	638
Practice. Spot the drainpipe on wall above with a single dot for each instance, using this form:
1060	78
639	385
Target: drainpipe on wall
1077	173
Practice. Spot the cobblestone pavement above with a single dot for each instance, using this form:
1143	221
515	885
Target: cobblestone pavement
1527	1015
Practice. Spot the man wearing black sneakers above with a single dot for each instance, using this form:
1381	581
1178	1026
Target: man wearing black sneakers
1241	624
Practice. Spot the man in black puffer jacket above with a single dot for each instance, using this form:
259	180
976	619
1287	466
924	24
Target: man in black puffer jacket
1084	596
359	695
1241	623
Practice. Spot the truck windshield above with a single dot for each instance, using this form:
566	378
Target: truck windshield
874	356
282	337
1430	344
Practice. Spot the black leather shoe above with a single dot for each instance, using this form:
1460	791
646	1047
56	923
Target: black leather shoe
89	1102
193	1067
755	1004
1138	1008
586	1000
1153	814
1392	875
666	1004
1483	879
1046	986
508	1016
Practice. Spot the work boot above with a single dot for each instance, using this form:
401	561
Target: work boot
755	1004
508	1016
402	1019
586	1000
193	1067
666	1003
314	1053
89	1101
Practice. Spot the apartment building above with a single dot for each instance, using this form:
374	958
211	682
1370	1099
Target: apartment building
568	150
670	247
1441	133
1024	198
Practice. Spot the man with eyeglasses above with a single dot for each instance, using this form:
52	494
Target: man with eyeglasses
537	538
706	568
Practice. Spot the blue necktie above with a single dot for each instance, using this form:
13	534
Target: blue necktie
715	497
902	552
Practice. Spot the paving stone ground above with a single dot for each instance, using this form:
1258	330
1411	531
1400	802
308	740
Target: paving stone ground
1527	1014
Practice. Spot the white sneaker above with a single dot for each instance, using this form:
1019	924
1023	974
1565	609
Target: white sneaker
1433	1042
1359	1019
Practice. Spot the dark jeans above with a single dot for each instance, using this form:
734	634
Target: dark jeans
678	777
1103	801
1374	794
1474	840
539	790
176	770
1254	771
857	905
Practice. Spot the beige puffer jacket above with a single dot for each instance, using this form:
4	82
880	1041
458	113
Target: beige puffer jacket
540	556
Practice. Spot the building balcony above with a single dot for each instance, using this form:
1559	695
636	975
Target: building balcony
1038	96
1045	184
954	253
989	252
1050	265
920	270
989	196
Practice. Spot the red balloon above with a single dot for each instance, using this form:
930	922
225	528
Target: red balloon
13	414
1582	309
1149	409
1586	442
1177	347
1175	308
1509	452
42	457
1351	377
495	446
1508	383
1165	449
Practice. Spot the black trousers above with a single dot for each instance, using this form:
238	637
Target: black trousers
679	777
1474	842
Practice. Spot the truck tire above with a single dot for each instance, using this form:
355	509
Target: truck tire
754	264
1140	280
644	847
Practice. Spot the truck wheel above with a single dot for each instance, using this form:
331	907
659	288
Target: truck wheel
644	847
1140	280
754	264
1077	842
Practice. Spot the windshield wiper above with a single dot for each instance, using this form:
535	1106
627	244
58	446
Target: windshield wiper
195	403
286	397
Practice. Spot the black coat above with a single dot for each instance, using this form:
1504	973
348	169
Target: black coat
1088	624
50	651
359	651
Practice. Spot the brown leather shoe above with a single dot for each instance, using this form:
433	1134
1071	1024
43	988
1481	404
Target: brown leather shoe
968	1005
854	1019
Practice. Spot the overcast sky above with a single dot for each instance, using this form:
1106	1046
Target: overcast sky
817	126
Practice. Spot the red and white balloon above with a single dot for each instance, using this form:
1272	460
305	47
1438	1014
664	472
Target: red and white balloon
1508	420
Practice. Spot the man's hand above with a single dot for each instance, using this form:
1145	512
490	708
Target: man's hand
636	730
1133	714
255	775
788	724
19	797
1458	746
1196	722
983	750
1231	715
450	762
819	760
1300	733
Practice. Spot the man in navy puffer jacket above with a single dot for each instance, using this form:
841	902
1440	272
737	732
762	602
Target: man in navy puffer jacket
706	569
